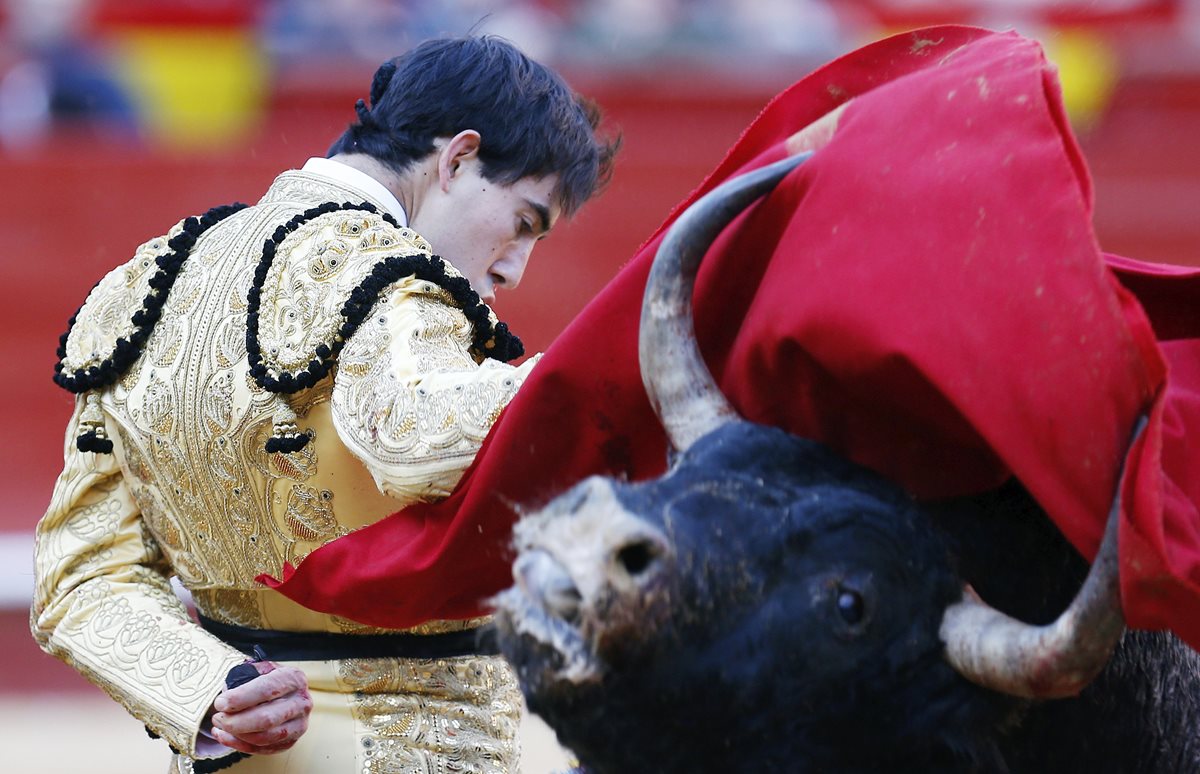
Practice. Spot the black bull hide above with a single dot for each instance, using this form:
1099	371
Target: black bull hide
770	606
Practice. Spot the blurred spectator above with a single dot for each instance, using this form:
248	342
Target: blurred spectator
787	28
58	74
371	30
722	33
364	29
603	32
633	28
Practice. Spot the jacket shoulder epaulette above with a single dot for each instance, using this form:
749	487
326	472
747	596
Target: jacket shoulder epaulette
107	334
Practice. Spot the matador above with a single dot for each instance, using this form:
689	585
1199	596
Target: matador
263	380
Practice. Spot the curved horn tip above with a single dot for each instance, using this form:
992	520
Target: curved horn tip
1059	659
679	385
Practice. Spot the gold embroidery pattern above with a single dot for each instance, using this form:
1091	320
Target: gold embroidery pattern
316	268
206	467
402	424
296	466
107	314
429	627
97	522
298	186
158	406
133	652
435	716
310	515
165	343
143	258
228	341
187	290
218	403
133	376
440	323
231	606
99	324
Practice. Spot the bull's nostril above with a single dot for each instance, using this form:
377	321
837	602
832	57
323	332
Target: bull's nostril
637	557
564	601
545	579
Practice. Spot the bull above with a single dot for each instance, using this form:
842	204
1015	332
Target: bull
768	605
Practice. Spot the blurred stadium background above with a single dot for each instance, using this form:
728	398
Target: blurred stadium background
117	117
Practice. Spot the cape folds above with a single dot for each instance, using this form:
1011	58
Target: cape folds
925	295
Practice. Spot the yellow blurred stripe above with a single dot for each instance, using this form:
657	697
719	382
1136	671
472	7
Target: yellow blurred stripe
196	87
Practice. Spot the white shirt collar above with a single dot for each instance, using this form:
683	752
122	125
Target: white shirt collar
361	180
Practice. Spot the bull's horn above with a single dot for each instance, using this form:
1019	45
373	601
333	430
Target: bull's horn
1043	662
679	385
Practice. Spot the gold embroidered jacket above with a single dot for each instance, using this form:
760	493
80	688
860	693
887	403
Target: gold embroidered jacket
189	489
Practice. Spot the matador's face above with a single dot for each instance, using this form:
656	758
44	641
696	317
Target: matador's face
486	230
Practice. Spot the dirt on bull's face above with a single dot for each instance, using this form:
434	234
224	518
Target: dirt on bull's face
764	589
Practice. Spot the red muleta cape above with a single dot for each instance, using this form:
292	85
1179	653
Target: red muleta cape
925	295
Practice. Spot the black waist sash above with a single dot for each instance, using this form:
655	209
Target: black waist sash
324	646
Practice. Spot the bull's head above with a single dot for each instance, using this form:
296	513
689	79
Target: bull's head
765	588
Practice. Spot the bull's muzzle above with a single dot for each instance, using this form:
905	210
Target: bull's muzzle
588	561
546	581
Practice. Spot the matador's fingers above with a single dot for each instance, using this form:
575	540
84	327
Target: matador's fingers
264	717
274	740
272	683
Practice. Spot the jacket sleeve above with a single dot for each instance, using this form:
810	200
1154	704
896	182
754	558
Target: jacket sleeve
104	605
410	401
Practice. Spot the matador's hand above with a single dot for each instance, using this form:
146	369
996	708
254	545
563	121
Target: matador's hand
266	715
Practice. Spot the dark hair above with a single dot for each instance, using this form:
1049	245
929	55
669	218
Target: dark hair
530	122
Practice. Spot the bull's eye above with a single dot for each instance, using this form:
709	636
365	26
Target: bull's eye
850	606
